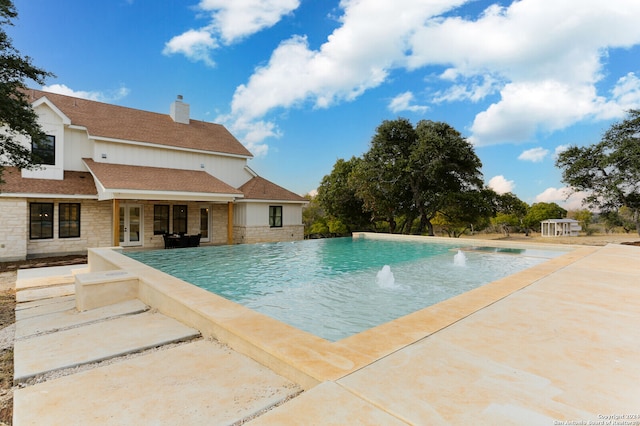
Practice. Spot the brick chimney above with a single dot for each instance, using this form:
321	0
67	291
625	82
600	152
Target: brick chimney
179	111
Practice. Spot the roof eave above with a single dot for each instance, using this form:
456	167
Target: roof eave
48	195
170	147
132	194
259	200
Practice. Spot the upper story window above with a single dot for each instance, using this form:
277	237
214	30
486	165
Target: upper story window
275	216
45	151
40	221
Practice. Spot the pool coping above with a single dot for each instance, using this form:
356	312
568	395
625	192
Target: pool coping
303	357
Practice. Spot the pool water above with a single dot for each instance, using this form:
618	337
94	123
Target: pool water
335	288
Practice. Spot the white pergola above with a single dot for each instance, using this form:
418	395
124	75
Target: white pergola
560	228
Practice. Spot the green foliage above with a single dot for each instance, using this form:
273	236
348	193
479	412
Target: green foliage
466	211
337	196
585	217
542	211
313	218
415	173
628	219
609	171
16	114
407	178
610	220
510	212
337	228
380	179
441	164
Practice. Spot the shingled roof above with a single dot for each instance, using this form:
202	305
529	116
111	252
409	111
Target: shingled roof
259	188
116	122
117	177
74	183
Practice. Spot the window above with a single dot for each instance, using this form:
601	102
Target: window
275	216
40	221
179	219
160	219
69	220
45	150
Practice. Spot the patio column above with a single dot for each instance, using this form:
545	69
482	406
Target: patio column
230	222
116	222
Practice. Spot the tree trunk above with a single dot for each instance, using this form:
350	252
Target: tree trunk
430	229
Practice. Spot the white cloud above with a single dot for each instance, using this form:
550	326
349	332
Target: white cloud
542	59
237	19
356	57
473	90
624	96
535	155
561	197
230	21
108	96
194	44
403	102
501	185
548	55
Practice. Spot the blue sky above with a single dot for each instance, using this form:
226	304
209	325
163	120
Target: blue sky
303	83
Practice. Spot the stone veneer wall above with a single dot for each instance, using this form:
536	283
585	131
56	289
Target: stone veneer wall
266	234
95	229
13	228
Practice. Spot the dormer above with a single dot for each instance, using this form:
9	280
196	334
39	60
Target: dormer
52	122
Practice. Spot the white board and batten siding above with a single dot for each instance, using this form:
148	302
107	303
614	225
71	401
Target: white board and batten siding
229	169
52	124
257	213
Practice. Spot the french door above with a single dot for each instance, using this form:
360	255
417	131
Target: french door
130	225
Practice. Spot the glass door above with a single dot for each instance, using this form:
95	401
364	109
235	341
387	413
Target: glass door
130	225
205	223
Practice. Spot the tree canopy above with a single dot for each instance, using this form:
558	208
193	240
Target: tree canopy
609	171
542	211
409	173
16	115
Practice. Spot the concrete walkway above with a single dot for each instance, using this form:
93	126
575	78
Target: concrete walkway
565	348
195	382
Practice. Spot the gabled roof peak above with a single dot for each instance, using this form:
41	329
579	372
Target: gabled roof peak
115	122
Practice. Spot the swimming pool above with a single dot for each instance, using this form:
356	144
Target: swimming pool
335	288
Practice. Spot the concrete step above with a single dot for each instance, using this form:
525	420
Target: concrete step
95	342
44	306
197	383
48	322
42	293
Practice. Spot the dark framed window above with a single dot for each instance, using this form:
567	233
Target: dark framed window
69	220
275	216
160	219
179	219
40	221
45	150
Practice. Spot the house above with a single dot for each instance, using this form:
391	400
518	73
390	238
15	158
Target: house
560	228
116	176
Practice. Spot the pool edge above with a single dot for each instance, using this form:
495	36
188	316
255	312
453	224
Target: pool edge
302	357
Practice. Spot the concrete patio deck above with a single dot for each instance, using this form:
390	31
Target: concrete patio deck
560	343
